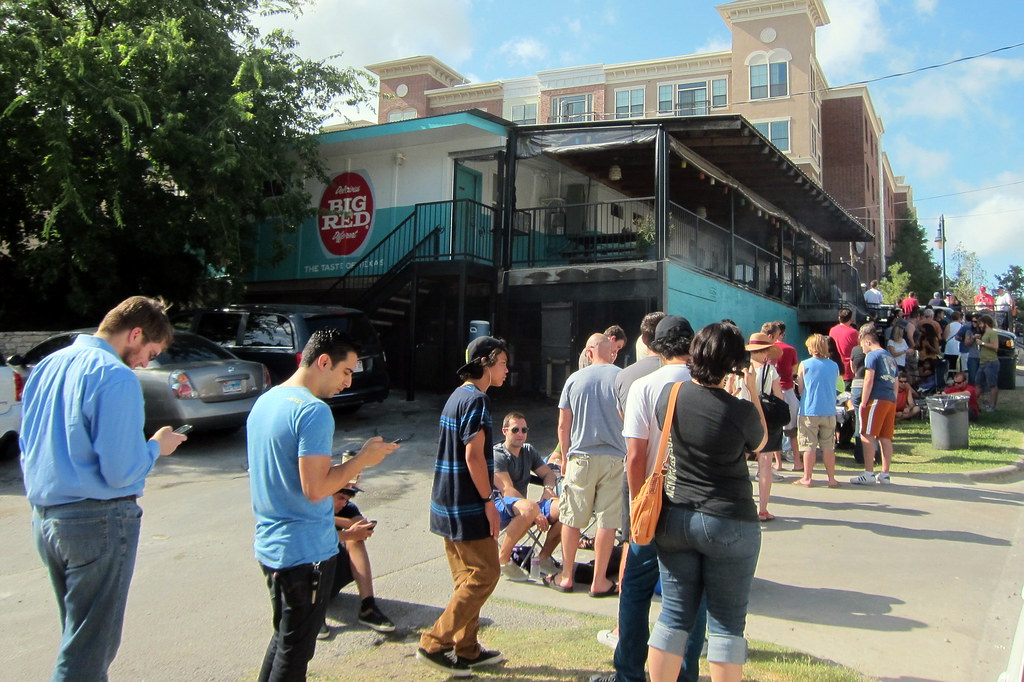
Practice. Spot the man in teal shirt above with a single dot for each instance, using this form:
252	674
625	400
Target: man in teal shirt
85	462
290	432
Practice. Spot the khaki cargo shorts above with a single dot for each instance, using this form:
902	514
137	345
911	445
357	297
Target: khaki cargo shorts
592	486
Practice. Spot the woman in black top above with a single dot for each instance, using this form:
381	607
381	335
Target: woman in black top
708	537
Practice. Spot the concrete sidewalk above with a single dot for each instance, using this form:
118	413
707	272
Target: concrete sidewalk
914	581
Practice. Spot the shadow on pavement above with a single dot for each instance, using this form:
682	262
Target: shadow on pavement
886	530
846	608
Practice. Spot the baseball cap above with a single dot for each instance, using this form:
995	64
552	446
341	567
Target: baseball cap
672	327
478	349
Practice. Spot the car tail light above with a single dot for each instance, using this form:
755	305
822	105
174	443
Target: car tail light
298	359
181	387
267	381
19	386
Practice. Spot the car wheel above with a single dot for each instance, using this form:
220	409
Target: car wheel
9	446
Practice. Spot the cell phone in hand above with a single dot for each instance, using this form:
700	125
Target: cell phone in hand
402	439
373	524
184	429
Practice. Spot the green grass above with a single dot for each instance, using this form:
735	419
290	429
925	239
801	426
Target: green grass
544	644
996	440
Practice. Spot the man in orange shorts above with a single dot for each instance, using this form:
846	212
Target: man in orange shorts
878	406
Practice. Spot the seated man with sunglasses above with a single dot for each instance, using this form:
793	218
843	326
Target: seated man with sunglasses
514	461
960	385
354	560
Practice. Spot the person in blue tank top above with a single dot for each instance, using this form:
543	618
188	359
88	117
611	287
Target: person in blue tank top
817	379
289	434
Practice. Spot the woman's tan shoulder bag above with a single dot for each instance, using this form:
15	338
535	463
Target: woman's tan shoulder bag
645	508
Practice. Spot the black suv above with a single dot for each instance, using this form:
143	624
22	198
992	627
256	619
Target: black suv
275	334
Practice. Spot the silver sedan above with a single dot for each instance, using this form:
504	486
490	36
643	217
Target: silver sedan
195	381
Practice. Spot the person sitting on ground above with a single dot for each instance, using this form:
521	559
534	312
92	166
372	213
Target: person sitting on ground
906	397
960	385
354	560
514	460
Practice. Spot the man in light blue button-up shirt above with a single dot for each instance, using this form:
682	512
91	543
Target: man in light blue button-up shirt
85	461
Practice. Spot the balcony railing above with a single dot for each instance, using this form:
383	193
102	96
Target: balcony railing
583	233
828	284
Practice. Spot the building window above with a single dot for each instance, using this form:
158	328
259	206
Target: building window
719	93
769	75
401	115
629	103
777	132
524	114
573	109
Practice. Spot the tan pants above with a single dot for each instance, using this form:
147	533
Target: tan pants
475	572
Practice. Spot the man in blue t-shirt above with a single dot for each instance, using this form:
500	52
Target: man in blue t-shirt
462	511
878	406
85	462
289	433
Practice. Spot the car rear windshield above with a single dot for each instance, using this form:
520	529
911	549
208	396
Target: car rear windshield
190	348
221	328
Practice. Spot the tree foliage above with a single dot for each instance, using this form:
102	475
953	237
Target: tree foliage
143	141
911	249
968	274
895	285
1013	280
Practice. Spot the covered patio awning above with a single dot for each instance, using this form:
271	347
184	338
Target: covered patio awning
723	147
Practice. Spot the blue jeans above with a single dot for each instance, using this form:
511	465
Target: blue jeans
710	555
89	549
973	363
635	595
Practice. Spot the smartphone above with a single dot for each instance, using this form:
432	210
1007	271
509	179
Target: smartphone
402	439
184	429
373	524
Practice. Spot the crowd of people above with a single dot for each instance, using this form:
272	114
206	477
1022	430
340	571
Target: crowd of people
738	399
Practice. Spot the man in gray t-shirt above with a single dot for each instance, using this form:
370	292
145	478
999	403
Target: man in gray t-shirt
590	438
514	461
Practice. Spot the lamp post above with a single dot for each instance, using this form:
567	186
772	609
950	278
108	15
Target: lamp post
940	243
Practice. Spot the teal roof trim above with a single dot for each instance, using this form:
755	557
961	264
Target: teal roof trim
414	125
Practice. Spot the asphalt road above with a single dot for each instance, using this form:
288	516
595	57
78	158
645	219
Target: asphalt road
915	581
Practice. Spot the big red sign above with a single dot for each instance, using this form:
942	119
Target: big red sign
346	214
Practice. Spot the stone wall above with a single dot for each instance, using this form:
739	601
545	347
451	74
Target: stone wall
19	342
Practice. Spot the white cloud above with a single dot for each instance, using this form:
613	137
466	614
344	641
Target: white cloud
925	6
917	162
575	27
369	31
523	50
991	225
962	91
715	44
856	32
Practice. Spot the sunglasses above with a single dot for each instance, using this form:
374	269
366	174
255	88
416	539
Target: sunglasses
959	383
348	491
516	429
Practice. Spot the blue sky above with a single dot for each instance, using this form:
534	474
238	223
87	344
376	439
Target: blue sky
950	131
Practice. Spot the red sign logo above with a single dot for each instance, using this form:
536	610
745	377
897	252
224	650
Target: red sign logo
346	214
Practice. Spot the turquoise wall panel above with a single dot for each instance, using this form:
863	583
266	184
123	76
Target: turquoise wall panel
703	300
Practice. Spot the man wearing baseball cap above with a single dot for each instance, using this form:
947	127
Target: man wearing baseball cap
462	511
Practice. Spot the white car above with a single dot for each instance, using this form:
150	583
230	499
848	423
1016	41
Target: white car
10	412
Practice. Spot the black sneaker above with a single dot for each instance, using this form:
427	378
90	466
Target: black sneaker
486	657
604	678
445	661
375	620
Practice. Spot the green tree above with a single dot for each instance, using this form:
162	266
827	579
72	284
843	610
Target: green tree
911	248
968	274
143	140
895	285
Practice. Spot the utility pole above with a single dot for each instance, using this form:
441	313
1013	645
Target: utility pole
940	243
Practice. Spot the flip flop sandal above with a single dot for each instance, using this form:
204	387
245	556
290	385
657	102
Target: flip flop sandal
552	582
610	592
765	516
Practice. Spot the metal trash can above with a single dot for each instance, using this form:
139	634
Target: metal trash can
947	415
